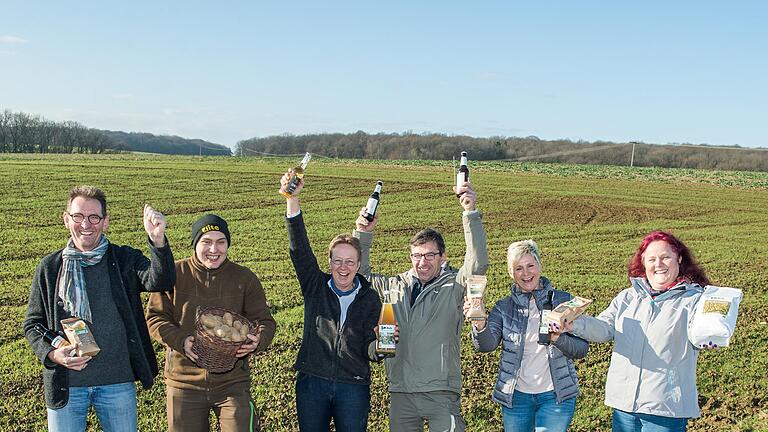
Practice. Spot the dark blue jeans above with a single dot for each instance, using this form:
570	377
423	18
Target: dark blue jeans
115	406
319	399
623	421
539	412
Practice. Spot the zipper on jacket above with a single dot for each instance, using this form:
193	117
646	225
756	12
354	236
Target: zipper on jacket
442	357
338	353
340	332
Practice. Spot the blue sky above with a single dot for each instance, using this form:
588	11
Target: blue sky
225	71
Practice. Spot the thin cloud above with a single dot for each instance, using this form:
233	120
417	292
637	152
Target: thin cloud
12	40
122	96
7	52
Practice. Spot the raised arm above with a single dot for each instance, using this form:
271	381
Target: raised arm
476	253
158	272
304	262
154	225
364	232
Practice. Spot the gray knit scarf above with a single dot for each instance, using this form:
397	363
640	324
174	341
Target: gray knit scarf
71	285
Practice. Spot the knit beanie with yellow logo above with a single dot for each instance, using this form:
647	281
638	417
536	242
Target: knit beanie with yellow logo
209	222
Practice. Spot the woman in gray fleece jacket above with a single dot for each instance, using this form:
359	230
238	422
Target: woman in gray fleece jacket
651	383
537	384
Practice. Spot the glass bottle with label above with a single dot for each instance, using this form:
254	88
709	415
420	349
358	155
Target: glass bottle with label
373	202
386	344
53	338
463	174
544	336
298	174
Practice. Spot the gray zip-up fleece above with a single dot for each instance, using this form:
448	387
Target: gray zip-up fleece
428	356
508	324
653	364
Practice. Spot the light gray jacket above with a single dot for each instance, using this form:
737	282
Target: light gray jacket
508	324
428	355
653	364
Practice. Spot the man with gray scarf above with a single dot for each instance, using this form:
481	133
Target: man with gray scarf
98	282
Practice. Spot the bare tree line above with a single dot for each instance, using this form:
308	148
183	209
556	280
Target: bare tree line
24	133
360	145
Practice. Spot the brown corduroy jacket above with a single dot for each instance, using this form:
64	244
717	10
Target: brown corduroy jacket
171	318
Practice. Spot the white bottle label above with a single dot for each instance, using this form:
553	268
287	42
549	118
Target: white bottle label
387	337
544	324
460	179
57	341
371	206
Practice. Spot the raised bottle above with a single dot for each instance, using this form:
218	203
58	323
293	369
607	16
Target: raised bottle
373	201
386	344
544	336
463	174
298	174
50	336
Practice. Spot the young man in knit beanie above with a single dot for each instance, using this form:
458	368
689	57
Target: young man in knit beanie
208	279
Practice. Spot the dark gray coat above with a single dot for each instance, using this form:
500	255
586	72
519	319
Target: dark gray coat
508	322
328	349
130	273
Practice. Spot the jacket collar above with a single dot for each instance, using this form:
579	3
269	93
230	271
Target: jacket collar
446	270
643	288
197	265
539	294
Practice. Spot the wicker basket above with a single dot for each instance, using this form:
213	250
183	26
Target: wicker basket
213	353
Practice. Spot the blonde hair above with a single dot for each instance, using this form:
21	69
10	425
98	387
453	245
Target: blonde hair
519	248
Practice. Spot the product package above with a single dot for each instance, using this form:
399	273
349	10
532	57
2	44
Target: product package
475	292
715	316
77	332
568	311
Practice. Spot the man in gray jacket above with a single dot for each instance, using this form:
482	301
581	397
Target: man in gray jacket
425	373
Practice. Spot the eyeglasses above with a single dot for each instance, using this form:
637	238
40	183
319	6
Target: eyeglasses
78	218
429	256
337	262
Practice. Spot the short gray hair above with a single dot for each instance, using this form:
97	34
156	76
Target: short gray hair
89	192
519	248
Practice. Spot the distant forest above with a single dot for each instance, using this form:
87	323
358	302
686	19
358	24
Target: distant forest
26	133
166	144
361	145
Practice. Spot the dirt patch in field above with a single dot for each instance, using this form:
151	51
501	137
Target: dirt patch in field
581	211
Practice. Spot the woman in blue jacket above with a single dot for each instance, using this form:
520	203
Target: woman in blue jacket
537	384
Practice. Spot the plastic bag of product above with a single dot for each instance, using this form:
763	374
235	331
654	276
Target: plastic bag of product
715	316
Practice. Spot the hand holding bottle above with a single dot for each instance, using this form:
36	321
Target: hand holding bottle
292	199
467	196
363	224
63	355
285	180
389	352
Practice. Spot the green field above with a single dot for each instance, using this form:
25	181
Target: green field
587	220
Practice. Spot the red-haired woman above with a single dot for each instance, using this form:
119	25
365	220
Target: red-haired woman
651	383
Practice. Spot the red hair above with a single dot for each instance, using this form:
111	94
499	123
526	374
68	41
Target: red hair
689	268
